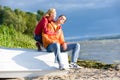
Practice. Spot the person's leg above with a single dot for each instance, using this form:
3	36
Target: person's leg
38	44
38	38
55	47
75	47
38	41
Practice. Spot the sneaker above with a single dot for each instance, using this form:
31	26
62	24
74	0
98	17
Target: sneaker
61	67
71	65
75	66
38	46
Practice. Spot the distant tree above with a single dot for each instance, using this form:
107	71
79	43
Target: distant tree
30	23
7	8
1	14
21	21
8	16
40	13
17	11
0	6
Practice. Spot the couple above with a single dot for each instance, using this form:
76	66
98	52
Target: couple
52	38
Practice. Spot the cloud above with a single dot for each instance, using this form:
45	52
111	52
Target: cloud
81	4
66	5
84	4
22	4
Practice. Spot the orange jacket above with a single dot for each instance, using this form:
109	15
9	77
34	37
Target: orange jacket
58	37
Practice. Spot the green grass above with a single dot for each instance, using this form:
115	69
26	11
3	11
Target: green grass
12	39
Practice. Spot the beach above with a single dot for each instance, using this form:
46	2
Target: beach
86	74
105	51
79	74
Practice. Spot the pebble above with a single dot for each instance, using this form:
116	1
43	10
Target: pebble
117	67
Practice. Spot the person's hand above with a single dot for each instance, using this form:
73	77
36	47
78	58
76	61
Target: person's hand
64	46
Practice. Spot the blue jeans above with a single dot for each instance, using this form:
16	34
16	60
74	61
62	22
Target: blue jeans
38	38
57	49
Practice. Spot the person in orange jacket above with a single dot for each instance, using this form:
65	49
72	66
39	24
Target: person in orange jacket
56	43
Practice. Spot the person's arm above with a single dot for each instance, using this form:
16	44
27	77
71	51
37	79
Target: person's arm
49	29
45	29
62	41
48	39
61	38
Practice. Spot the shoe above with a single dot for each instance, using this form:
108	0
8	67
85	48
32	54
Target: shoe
75	66
61	67
38	46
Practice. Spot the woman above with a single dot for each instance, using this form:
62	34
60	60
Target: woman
41	26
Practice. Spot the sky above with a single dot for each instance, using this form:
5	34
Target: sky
84	17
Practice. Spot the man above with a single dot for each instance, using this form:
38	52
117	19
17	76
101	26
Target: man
57	44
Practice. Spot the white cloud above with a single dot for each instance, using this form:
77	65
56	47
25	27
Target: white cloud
83	4
59	5
70	5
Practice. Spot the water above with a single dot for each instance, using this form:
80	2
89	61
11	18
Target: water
106	51
103	48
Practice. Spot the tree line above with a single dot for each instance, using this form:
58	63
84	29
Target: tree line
23	22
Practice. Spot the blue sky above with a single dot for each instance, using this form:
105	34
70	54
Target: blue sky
85	17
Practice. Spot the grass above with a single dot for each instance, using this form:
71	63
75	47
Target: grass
12	39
